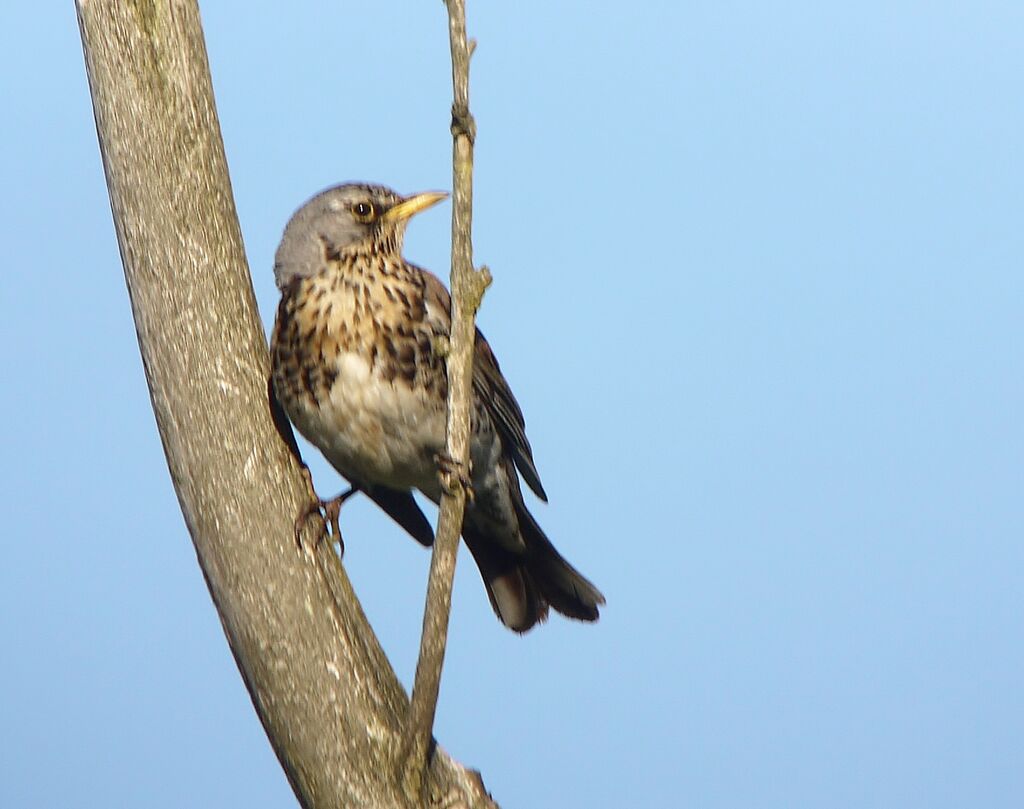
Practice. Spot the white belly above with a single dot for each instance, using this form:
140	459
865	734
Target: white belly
375	431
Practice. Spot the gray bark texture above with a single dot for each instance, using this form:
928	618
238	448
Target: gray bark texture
331	705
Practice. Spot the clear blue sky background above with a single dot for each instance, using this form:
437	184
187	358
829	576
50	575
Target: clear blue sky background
759	289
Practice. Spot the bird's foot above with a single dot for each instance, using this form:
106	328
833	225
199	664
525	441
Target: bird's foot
454	475
328	512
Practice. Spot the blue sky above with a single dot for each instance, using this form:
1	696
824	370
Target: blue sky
758	287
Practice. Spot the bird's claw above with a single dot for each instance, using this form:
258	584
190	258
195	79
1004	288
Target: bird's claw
454	475
328	512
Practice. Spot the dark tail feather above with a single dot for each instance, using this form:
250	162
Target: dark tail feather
521	586
514	595
562	585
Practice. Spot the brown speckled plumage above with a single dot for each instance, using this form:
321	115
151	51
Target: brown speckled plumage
386	324
355	368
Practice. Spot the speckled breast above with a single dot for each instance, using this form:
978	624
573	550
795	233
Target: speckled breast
354	367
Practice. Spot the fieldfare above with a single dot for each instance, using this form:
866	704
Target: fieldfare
357	371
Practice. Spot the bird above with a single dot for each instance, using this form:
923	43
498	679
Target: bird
357	369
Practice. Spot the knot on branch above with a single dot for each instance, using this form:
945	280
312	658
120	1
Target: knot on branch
463	123
440	346
479	281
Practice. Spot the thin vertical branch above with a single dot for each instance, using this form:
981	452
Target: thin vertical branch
467	286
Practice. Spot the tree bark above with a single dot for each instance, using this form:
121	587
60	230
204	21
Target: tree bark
331	705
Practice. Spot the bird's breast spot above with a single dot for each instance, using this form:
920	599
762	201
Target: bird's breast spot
353	369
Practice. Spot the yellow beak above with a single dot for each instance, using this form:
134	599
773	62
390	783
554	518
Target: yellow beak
410	206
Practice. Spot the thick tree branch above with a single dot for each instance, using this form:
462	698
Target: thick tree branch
330	703
467	286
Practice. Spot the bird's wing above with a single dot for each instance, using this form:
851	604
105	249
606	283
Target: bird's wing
402	507
492	389
280	419
490	385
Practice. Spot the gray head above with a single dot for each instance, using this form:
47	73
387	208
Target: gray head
347	218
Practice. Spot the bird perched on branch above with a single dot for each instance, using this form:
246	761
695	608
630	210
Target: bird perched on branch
357	371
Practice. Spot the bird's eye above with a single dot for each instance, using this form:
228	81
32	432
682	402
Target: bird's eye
364	212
